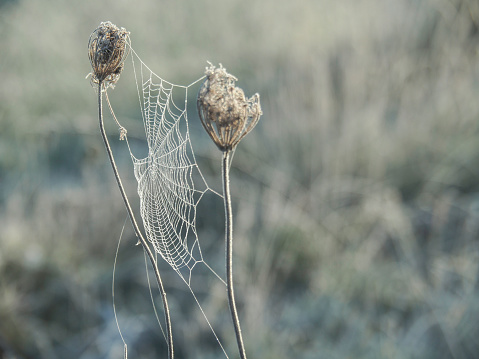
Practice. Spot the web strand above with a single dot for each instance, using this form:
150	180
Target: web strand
113	290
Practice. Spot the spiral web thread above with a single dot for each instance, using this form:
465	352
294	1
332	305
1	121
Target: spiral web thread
170	183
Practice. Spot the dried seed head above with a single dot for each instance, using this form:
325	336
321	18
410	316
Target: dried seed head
107	52
226	114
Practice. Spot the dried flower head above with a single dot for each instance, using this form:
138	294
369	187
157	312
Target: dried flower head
226	114
107	52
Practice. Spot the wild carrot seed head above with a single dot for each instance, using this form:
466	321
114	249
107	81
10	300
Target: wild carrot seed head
107	52
226	114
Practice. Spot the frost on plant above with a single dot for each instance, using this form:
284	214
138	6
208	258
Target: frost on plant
226	114
107	52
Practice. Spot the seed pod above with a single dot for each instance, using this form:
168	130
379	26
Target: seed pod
107	52
226	114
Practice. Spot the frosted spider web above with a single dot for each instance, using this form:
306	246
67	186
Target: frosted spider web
170	183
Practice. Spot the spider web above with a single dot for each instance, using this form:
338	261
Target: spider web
170	183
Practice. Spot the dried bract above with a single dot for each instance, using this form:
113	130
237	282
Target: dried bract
107	50
226	114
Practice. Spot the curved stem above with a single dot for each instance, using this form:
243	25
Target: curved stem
229	251
135	226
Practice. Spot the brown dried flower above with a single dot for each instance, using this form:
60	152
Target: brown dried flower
107	52
226	114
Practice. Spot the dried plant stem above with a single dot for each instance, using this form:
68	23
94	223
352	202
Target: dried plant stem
229	251
135	225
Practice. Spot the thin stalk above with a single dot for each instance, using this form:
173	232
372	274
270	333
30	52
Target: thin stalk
135	226
229	251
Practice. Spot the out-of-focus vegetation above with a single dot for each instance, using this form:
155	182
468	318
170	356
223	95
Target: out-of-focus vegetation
356	197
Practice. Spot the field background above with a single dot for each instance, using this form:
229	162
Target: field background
356	198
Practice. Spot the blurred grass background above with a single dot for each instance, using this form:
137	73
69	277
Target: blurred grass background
356	197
